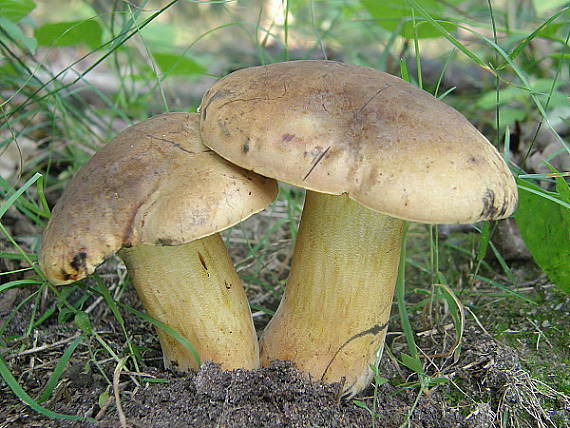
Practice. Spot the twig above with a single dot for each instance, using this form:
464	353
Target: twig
483	328
99	299
540	334
46	347
33	359
103	409
116	391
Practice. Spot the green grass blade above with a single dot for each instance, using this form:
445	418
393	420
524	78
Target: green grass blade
417	51
18	283
58	370
10	201
505	289
516	51
26	399
183	341
443	31
401	300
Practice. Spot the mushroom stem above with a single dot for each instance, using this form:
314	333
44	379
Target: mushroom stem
194	289
332	319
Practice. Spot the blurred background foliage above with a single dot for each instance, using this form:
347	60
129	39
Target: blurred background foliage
74	72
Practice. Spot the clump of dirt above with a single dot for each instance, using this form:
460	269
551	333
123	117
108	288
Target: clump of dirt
273	397
277	396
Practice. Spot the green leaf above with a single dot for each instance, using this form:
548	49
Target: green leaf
174	64
562	56
404	74
545	228
563	189
70	33
391	13
103	398
159	34
15	10
379	380
361	404
83	322
539	89
413	363
489	99
18	35
551	30
508	116
484	241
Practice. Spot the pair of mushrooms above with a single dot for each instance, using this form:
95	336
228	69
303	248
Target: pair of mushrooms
372	151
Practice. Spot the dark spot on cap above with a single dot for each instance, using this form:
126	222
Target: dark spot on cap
287	137
494	209
78	263
473	159
504	206
65	275
245	147
489	210
202	261
227	284
165	242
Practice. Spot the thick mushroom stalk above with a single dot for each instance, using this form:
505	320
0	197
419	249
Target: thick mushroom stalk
195	290
333	316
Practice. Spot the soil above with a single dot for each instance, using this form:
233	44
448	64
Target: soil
485	382
277	396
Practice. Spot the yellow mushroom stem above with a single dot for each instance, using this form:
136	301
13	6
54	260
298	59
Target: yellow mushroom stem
194	289
332	319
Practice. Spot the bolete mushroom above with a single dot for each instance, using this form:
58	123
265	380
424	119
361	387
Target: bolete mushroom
372	151
156	192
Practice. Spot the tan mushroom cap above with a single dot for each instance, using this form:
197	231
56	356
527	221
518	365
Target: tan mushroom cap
155	183
337	128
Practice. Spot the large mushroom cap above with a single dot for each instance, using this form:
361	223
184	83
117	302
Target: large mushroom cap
336	128
155	183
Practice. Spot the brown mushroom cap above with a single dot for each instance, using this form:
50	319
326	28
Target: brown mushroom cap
155	183
337	128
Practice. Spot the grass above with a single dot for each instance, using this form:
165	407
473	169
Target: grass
512	47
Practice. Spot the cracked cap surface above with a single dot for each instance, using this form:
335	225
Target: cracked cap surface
155	183
337	128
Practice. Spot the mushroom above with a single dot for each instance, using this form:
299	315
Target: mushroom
372	151
156	192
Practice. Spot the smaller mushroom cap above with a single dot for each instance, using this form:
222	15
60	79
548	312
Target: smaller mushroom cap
337	128
155	183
